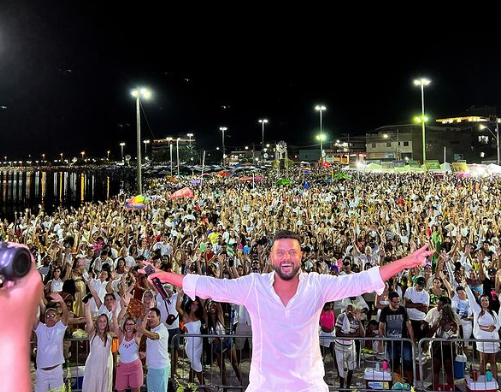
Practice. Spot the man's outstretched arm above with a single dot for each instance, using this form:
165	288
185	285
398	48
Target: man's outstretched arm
222	290
373	279
415	259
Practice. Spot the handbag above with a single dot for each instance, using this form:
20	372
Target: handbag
170	317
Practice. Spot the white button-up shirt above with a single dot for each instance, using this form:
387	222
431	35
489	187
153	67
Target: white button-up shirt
285	342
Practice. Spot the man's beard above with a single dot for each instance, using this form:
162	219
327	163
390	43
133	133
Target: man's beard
288	276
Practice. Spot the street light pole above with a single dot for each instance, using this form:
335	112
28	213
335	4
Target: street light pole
262	122
122	145
423	82
321	108
223	130
146	142
138	93
177	152
497	138
138	141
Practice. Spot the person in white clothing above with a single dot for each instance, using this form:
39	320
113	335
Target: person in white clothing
55	285
106	305
50	356
100	286
157	351
461	306
417	302
164	246
284	307
170	318
243	328
348	325
486	324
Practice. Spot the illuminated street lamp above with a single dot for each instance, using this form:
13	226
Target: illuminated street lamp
108	155
422	83
496	136
321	137
169	139
122	145
321	109
190	135
177	152
82	154
223	130
138	94
146	142
262	122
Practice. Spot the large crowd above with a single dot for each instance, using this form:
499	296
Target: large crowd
92	260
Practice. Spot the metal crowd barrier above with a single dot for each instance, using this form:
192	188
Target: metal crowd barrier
377	363
367	364
453	364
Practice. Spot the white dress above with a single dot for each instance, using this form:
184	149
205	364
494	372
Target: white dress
485	320
487	347
98	375
193	346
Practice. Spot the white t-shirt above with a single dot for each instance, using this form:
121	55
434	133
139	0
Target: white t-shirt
417	297
100	288
104	310
130	262
172	310
56	285
165	249
157	351
432	317
50	344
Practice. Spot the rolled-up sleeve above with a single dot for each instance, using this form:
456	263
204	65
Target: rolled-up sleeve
337	287
235	291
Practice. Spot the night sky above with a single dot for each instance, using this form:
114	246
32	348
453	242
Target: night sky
67	68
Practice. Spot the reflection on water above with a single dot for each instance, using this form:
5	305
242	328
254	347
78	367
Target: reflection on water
28	189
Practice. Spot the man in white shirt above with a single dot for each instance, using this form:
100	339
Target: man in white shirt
164	246
50	356
417	301
349	325
284	307
170	318
157	351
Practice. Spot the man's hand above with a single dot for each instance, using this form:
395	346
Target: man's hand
417	258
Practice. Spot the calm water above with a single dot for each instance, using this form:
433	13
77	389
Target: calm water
29	189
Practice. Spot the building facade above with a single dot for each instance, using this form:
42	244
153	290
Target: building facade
450	139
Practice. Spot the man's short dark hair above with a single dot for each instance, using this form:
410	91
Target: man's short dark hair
156	310
286	235
393	295
445	300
